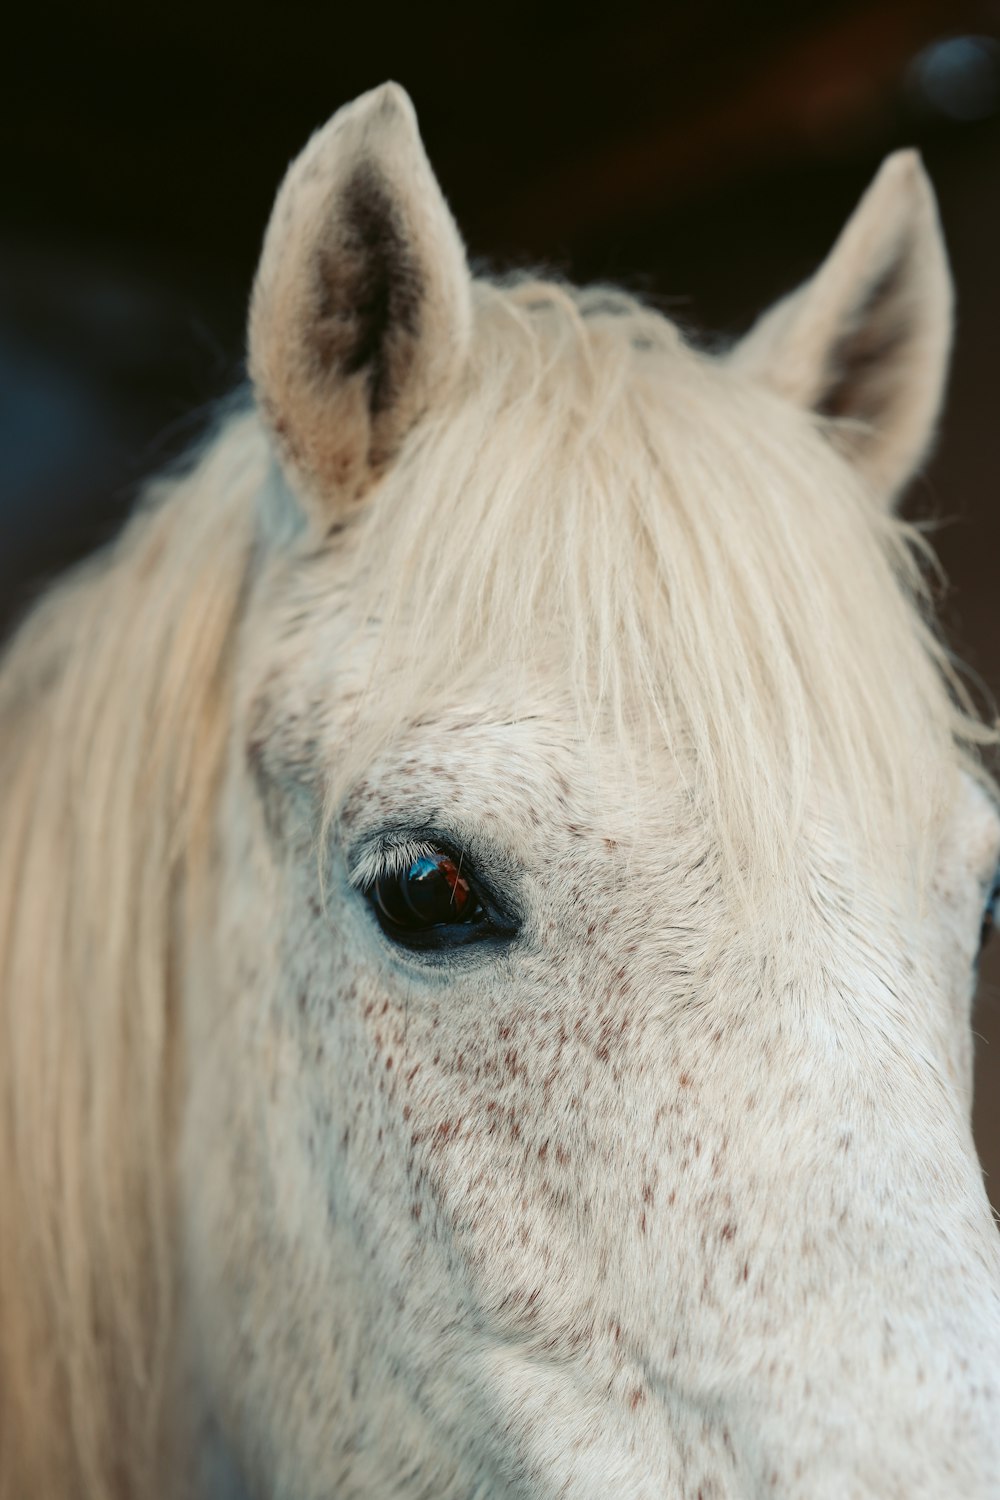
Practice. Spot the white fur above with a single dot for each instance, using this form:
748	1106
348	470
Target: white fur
675	1195
868	337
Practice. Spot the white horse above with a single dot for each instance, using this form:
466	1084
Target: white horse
493	863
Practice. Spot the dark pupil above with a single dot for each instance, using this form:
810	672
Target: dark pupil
431	893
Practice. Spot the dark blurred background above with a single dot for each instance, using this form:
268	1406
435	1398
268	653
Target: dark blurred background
705	152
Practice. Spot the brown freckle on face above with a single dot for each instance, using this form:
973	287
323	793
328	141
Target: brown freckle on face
445	1131
728	1231
562	1155
685	1080
746	1270
407	1111
388	1063
647	1193
642	1222
636	1396
415	1210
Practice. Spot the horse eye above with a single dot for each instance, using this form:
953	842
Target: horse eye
430	892
990	914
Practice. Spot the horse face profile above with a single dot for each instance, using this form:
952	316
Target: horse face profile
525	861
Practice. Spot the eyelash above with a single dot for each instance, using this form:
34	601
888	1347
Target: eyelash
387	858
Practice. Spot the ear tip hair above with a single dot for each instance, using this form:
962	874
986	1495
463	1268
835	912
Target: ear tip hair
391	93
905	171
902	192
390	100
905	159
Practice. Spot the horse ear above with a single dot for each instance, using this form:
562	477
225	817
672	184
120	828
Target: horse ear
866	342
361	309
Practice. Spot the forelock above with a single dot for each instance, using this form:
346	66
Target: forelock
683	558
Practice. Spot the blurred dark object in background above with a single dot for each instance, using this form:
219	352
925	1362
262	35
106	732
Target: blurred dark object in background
704	153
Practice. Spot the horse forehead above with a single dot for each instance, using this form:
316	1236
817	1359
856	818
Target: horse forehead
532	778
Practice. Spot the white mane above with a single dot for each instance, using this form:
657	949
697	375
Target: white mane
115	713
